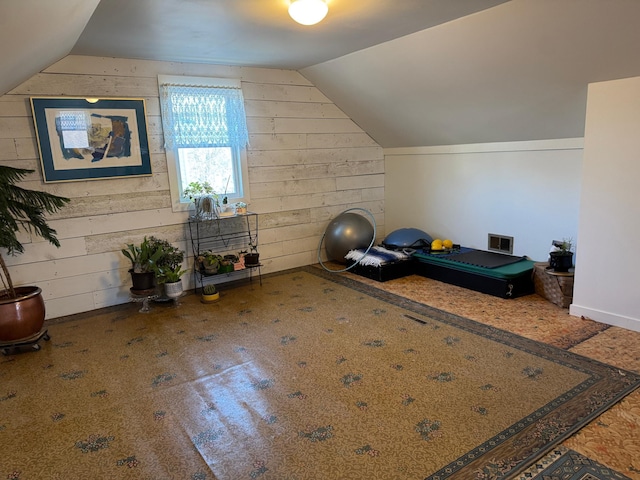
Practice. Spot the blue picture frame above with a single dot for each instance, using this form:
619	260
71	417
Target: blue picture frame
91	138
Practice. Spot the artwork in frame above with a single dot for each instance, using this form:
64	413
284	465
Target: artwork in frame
91	138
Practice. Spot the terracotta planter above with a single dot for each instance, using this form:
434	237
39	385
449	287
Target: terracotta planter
22	317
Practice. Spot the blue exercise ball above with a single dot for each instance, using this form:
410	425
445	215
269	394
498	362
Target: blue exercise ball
407	238
347	231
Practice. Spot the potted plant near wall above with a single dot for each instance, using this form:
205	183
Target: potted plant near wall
168	268
173	281
143	258
22	309
561	256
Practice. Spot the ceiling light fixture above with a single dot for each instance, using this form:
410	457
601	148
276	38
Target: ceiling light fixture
308	12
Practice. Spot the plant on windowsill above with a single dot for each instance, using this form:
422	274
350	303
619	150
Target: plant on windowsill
204	198
561	256
22	308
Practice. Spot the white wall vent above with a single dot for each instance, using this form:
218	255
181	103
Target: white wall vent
500	243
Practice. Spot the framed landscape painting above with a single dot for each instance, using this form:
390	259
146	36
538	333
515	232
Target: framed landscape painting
91	138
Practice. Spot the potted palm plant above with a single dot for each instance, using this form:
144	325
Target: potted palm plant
22	309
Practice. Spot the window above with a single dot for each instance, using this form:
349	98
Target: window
205	132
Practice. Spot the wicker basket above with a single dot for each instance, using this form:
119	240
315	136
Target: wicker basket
557	288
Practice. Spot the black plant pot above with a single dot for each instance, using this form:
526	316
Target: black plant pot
561	261
252	259
143	280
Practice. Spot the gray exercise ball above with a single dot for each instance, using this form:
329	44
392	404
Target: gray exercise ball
346	232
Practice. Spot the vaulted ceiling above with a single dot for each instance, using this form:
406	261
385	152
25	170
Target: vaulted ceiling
409	72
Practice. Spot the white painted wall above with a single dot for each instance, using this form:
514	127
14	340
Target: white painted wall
607	285
527	190
307	162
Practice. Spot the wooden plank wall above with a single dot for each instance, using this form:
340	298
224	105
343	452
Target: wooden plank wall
307	163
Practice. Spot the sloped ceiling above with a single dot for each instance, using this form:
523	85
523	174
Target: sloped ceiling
36	33
256	32
518	71
409	72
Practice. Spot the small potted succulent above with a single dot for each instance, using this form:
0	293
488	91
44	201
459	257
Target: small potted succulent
210	294
209	262
241	208
227	209
561	255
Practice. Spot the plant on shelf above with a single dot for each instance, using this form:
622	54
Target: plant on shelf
210	294
252	258
561	255
241	208
227	209
22	308
204	198
198	189
209	262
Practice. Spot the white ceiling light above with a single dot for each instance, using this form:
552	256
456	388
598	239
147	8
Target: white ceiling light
308	12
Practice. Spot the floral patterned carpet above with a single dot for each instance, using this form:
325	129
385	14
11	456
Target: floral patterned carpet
311	376
613	439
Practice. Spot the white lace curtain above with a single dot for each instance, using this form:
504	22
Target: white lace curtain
202	116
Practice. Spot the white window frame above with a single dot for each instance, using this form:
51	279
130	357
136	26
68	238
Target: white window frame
178	203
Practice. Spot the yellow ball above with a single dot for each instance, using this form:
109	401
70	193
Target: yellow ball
436	244
447	244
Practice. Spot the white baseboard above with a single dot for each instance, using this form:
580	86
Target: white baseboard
605	317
